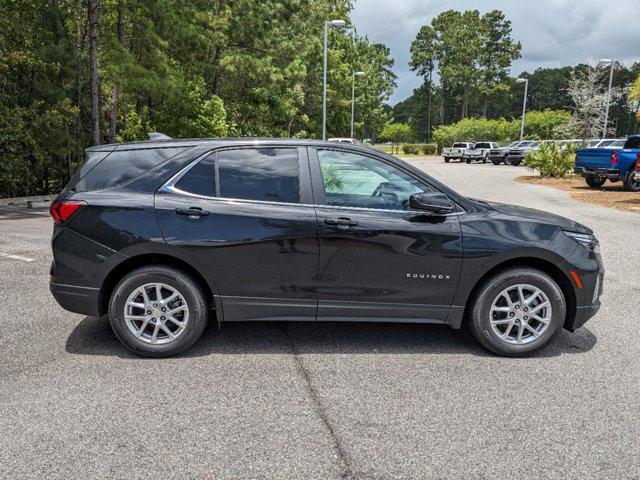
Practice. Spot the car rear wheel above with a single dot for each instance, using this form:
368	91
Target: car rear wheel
630	183
446	159
158	311
515	163
595	182
517	312
496	162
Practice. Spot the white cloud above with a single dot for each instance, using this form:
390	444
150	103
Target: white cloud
553	33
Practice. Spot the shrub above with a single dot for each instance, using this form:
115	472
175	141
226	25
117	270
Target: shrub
411	149
429	149
551	160
396	133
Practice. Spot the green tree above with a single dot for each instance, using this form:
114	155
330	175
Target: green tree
397	133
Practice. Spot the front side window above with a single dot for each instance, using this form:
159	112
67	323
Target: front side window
353	180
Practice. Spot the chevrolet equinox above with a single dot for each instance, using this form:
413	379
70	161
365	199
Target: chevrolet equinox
164	235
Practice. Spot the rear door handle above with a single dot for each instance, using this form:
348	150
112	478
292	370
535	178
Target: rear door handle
342	222
193	212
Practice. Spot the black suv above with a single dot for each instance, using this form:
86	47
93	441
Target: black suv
164	235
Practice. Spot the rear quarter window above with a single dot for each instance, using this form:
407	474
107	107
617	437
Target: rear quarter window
121	166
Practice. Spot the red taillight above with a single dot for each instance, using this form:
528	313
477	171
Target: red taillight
62	211
637	162
614	157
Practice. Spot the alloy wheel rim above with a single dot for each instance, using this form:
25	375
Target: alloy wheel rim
156	313
520	314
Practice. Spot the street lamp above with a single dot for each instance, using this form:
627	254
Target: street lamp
353	95
327	24
606	61
524	103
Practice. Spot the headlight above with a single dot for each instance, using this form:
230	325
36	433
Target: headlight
586	239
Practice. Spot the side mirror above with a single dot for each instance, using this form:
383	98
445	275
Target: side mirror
435	202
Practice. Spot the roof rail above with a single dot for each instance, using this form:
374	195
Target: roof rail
158	136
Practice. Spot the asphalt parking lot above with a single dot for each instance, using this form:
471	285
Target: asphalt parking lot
301	400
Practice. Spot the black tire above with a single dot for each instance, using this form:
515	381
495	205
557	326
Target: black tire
630	184
595	182
174	278
515	163
480	311
468	160
496	162
484	160
446	159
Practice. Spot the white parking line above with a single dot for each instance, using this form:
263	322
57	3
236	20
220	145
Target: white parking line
17	257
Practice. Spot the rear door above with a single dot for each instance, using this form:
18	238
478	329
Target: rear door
245	215
379	260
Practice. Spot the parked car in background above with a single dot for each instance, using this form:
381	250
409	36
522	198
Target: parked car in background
515	156
166	235
564	144
619	143
456	151
351	141
600	142
597	165
499	155
479	152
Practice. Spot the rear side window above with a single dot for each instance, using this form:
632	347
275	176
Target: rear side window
200	179
632	143
459	145
483	145
267	174
124	165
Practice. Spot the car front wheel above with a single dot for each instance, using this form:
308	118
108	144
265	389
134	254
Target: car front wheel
158	311
517	312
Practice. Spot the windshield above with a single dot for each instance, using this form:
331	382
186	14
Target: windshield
534	144
525	144
593	143
514	144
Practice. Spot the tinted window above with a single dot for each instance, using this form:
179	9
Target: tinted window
269	174
483	145
92	158
632	143
459	145
200	179
121	166
354	180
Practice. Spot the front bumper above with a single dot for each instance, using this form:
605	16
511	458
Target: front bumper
582	315
611	173
83	300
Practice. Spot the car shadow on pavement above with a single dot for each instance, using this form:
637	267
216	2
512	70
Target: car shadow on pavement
93	336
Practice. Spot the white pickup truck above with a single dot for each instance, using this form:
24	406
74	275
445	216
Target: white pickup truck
456	151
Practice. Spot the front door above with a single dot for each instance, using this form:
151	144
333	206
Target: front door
380	260
244	215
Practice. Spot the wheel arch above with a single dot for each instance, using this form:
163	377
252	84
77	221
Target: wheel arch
143	260
545	266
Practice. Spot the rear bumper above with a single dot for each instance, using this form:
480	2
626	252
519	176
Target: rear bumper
83	300
597	172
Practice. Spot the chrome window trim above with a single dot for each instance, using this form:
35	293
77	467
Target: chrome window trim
169	187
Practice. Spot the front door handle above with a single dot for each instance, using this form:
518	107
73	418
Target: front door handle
192	212
342	222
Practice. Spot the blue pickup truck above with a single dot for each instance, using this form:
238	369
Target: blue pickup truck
597	165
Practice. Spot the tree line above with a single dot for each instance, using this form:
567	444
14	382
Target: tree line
471	55
84	72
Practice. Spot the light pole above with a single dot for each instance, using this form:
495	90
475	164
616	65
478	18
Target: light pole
327	24
606	61
353	95
524	103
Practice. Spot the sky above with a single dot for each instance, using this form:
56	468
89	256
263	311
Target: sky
553	33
